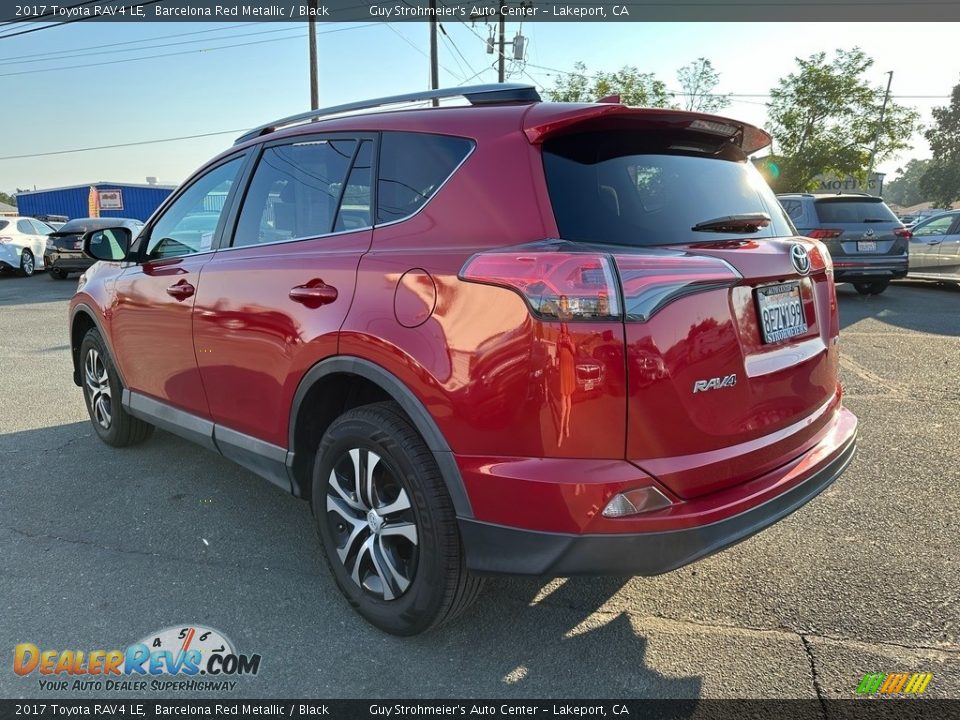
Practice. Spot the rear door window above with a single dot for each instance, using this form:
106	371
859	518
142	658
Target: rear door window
854	210
413	166
294	191
630	188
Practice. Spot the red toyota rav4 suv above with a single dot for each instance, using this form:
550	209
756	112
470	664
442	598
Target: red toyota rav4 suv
510	337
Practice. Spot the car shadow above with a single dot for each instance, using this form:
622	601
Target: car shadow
16	290
167	532
926	307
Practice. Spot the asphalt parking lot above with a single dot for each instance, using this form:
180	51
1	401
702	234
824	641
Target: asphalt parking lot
101	547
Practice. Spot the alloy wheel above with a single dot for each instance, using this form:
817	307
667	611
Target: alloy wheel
98	388
27	264
372	523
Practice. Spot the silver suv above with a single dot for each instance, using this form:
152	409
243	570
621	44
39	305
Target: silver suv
868	244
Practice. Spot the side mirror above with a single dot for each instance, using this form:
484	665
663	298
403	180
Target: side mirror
110	244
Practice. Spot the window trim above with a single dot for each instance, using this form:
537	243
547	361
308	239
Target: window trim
229	234
138	251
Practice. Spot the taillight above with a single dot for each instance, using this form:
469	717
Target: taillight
556	285
903	233
583	286
820	259
650	281
825	234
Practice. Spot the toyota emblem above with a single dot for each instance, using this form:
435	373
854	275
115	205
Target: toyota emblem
801	261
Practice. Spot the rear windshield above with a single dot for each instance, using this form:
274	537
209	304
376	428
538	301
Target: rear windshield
648	188
842	210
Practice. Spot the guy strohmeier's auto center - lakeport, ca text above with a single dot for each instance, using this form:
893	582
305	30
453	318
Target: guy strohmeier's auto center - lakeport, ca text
299	11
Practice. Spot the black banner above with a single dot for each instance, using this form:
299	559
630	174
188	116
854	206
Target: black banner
862	709
62	11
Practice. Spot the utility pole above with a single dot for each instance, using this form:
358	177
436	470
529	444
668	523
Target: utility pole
501	69
312	26
876	137
434	62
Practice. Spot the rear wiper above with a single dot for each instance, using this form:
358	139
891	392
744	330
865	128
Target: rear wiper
747	222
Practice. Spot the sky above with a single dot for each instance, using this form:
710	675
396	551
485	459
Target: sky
59	95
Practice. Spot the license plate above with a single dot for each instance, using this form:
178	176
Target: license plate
866	245
781	312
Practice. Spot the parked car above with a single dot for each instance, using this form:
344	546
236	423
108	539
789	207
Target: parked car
54	221
867	242
64	247
935	248
447	374
22	240
920	215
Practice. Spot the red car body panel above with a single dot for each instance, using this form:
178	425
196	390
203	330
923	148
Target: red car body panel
497	380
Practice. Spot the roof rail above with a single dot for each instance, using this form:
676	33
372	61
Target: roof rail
476	95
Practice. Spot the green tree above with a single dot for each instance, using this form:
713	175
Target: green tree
633	87
905	189
8	199
825	120
941	181
698	80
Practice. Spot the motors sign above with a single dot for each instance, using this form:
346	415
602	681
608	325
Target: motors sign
834	184
110	199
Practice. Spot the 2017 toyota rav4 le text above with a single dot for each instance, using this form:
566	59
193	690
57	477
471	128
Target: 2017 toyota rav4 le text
509	337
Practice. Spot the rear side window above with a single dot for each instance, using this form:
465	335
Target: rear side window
793	208
25	227
3	224
645	188
413	166
842	210
294	192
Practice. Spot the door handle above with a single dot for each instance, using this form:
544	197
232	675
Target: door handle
181	290
934	242
314	294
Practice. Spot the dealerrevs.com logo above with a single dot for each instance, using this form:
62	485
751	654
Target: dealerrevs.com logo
185	657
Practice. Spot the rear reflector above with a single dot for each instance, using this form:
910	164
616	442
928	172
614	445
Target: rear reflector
651	281
634	502
825	233
556	285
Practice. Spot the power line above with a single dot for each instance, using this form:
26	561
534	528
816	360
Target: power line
183	52
121	145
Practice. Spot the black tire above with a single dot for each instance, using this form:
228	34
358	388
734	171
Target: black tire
874	287
58	274
439	587
28	264
121	429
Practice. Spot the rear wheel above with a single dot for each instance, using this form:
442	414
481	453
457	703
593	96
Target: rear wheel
387	524
101	391
27	263
874	287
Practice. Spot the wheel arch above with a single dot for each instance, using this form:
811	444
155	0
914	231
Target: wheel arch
326	388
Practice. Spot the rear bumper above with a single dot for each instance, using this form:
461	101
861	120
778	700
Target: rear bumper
849	268
496	549
67	260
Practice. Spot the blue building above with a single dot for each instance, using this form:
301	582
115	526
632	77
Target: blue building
116	200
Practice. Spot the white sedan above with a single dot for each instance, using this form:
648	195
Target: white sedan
22	242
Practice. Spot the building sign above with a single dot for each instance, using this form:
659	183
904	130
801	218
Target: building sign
110	199
834	184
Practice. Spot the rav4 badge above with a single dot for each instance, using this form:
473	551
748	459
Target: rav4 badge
717	383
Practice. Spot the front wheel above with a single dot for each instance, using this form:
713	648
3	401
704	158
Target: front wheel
387	523
875	287
102	390
27	264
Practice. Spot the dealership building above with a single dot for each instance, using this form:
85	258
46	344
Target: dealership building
114	200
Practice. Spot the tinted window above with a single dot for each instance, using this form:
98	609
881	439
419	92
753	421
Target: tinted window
41	228
842	210
640	189
25	227
413	166
354	211
294	192
939	226
3	224
793	207
178	230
